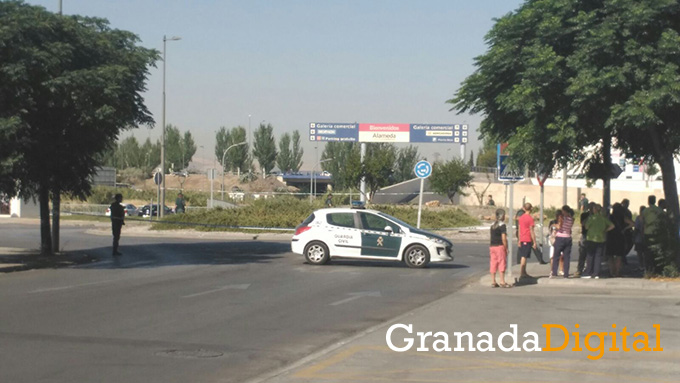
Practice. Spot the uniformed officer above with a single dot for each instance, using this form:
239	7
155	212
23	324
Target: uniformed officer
117	221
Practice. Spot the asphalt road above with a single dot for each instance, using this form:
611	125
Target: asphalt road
187	310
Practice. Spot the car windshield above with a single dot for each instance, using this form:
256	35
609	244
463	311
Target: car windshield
397	220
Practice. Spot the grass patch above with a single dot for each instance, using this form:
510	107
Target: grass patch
288	212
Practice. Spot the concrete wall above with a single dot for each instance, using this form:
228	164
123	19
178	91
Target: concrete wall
530	192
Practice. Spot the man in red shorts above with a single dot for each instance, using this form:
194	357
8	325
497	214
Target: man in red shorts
527	239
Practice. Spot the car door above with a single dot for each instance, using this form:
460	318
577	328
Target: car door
375	240
344	234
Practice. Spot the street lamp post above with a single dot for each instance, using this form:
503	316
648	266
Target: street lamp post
161	208
311	179
223	156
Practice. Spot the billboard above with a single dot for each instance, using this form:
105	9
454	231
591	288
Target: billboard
439	133
392	133
384	133
324	131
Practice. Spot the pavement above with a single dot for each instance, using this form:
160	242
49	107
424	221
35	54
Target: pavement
20	259
592	305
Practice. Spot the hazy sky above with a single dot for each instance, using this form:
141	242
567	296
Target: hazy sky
292	62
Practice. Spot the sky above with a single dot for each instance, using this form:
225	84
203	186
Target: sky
292	62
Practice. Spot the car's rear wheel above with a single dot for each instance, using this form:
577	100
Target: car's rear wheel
317	253
416	256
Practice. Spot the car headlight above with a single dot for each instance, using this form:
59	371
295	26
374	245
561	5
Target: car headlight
440	242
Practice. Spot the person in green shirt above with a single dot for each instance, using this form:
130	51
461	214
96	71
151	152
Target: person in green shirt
597	225
180	205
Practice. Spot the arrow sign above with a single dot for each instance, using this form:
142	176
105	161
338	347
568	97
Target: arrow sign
354	296
423	169
228	287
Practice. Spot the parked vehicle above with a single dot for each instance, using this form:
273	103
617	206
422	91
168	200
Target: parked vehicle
144	211
130	210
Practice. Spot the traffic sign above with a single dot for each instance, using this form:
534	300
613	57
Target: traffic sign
324	131
505	172
362	132
157	178
423	169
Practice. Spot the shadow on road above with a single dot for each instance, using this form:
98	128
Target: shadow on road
190	253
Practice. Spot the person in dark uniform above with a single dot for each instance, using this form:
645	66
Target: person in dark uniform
180	204
117	221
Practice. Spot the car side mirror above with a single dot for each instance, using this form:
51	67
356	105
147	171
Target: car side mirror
389	229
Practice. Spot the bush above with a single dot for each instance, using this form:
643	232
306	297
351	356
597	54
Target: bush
103	195
288	212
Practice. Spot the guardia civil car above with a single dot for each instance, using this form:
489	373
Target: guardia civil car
367	234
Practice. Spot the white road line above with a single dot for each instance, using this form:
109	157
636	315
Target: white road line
229	287
357	296
71	286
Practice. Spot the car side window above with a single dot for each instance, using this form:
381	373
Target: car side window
341	219
376	223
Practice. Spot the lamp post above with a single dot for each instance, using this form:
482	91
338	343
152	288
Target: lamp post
161	208
311	179
223	156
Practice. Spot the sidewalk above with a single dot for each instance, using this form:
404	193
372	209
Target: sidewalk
479	308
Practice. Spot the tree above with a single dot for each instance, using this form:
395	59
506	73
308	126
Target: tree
563	75
406	162
284	159
450	178
377	168
179	149
237	158
264	148
68	87
345	166
486	158
471	162
296	160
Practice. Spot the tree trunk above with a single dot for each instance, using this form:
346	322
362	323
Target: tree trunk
606	181
45	235
56	207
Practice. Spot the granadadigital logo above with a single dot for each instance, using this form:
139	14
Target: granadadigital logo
484	341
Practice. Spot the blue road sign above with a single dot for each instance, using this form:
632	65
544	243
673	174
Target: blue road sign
423	169
439	133
323	131
505	173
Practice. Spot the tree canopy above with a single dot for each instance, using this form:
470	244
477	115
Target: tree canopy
264	148
237	157
563	75
449	178
289	159
68	86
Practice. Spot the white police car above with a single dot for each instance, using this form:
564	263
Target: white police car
367	234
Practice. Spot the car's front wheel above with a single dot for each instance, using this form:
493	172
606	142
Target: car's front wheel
317	253
416	256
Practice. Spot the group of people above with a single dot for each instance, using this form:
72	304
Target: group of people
118	217
612	235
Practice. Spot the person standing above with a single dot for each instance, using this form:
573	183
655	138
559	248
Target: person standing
597	227
563	240
491	202
652	219
117	221
329	200
640	239
583	203
498	249
180	204
527	239
616	242
582	249
552	236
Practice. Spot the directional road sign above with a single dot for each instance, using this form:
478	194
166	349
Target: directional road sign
423	169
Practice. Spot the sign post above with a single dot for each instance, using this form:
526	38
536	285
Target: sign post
506	173
157	179
541	177
211	176
423	170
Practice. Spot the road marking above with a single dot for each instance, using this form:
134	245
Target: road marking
358	295
228	287
71	286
